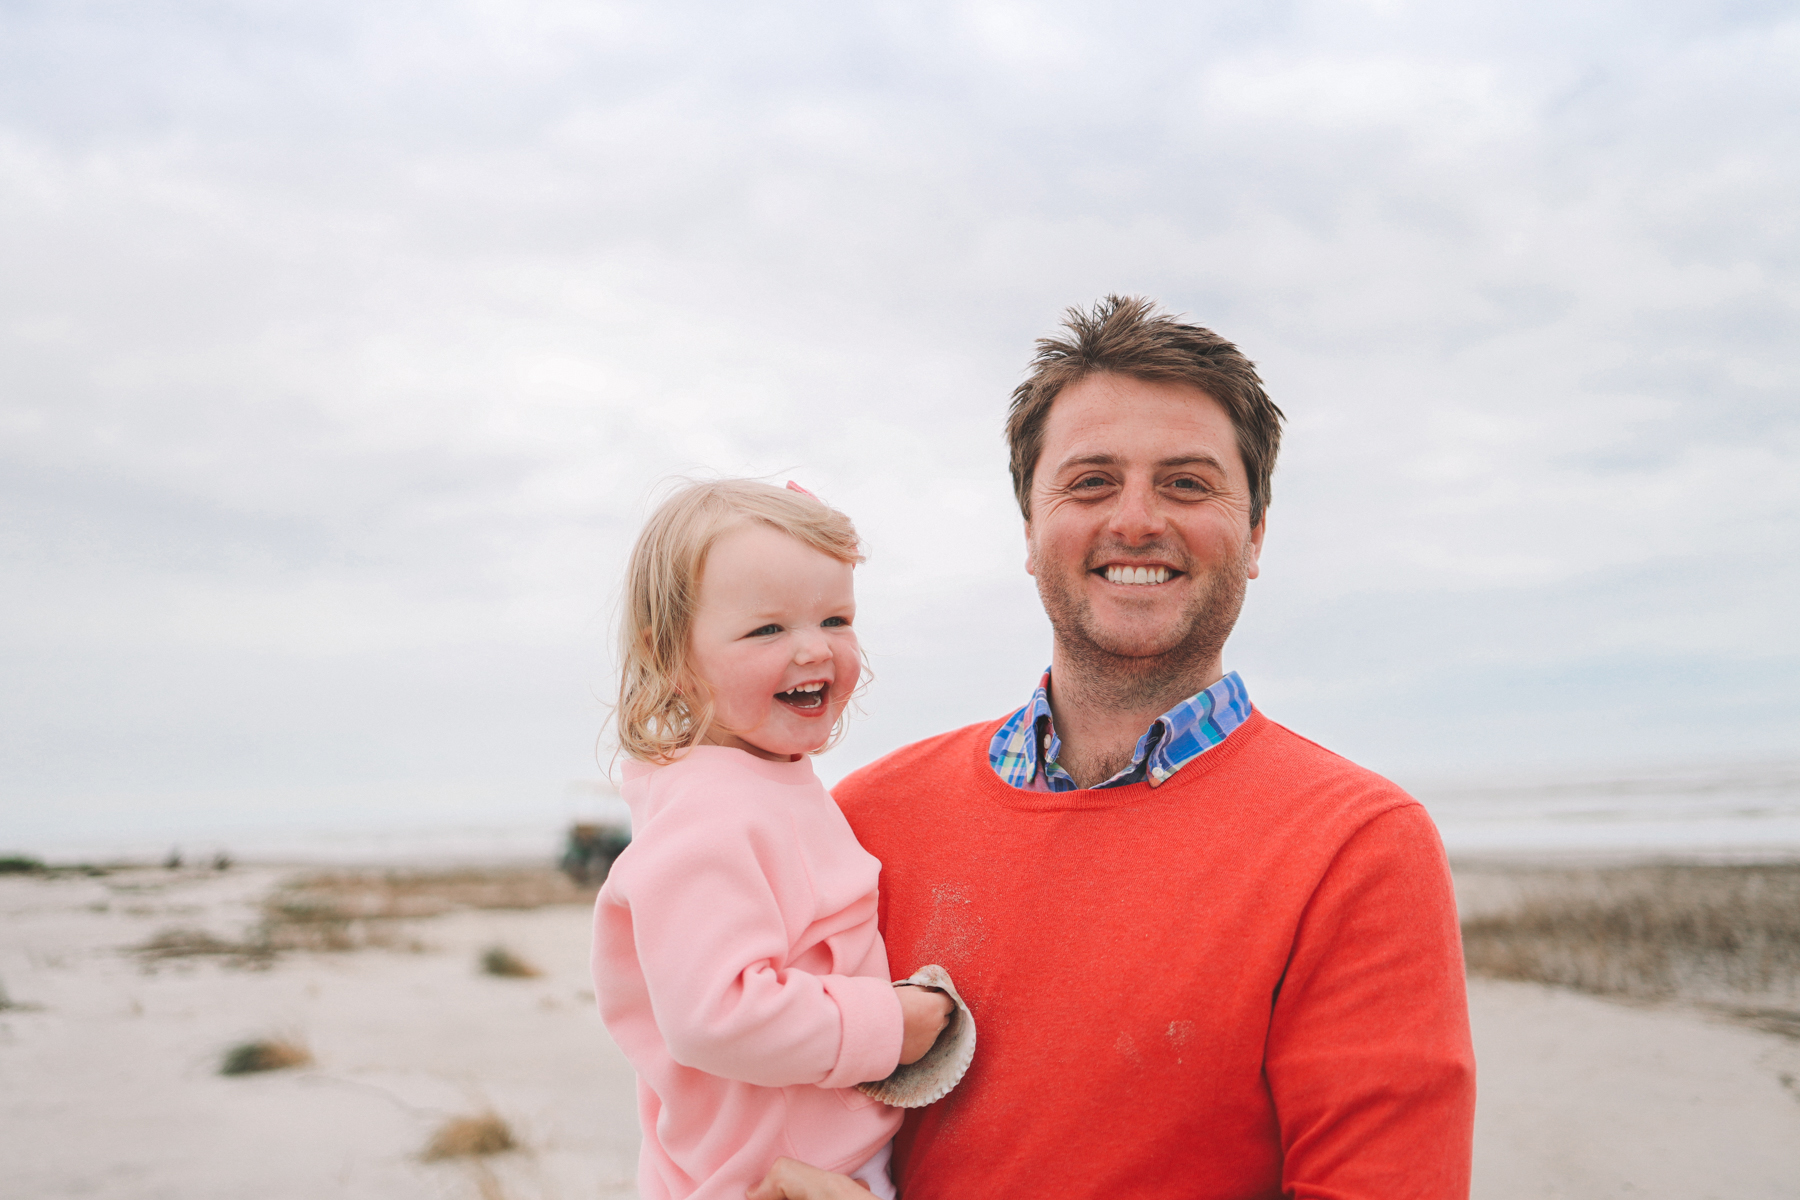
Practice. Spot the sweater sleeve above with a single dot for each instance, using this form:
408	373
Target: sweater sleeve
706	899
1369	1059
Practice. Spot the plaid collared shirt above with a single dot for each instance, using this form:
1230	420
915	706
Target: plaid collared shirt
1173	740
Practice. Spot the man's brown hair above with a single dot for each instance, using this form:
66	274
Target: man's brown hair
1125	335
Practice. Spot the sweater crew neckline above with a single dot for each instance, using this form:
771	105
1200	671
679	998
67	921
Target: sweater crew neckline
709	757
1097	799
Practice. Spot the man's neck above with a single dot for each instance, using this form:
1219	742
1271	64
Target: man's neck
1101	710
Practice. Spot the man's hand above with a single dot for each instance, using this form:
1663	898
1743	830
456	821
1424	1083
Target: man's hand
926	1013
790	1180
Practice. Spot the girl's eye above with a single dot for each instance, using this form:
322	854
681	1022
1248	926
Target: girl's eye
833	622
765	631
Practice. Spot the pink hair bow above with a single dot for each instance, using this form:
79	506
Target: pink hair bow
794	487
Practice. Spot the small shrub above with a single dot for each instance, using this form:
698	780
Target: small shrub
275	1054
19	864
498	960
464	1137
8	1004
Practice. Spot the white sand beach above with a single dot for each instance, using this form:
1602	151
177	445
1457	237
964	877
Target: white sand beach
110	1085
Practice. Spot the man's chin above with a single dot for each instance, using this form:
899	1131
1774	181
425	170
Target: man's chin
1150	646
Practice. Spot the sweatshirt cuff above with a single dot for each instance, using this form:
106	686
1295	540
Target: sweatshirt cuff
873	1030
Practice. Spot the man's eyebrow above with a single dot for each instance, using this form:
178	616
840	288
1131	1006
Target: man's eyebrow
1191	460
1102	459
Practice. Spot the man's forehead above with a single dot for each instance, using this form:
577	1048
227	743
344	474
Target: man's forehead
1112	420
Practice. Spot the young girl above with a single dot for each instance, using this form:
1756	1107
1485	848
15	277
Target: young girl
736	956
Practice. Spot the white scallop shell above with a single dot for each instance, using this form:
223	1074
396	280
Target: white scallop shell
930	1079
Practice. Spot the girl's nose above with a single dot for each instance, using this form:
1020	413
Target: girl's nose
810	646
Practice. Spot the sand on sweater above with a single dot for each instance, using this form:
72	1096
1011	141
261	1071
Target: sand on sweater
110	1084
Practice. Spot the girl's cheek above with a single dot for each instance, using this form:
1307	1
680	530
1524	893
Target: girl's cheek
849	669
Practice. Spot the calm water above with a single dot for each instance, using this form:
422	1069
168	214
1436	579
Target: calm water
1735	811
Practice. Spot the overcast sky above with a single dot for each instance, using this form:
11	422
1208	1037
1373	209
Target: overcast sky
343	346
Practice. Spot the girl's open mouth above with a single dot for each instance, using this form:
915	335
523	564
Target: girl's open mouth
808	697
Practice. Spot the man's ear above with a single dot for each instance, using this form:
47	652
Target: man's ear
1030	561
1253	551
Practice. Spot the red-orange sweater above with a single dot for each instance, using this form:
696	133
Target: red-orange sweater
1245	983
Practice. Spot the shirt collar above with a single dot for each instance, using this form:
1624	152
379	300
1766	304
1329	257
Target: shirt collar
1025	748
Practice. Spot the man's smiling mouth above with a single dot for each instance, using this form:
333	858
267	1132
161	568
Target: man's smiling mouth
1136	576
807	697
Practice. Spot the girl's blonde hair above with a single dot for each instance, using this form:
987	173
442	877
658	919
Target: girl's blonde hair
655	717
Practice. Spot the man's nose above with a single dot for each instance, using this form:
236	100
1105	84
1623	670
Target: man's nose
1137	514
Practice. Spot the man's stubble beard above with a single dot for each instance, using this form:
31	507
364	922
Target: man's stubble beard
1109	671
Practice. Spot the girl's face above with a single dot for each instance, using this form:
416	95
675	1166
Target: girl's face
772	642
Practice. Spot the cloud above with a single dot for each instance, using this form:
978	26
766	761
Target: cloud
339	341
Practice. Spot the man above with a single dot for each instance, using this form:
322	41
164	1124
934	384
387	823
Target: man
1206	957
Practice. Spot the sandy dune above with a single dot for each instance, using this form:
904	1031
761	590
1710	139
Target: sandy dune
111	1089
109	1084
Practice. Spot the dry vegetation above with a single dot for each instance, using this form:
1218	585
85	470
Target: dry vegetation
8	1004
24	864
385	894
274	1054
498	960
1719	935
462	1137
349	910
198	943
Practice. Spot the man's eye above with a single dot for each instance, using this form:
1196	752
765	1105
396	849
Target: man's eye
1187	483
765	631
1090	482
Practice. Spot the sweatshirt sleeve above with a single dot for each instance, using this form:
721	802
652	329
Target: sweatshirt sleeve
1369	1059
707	892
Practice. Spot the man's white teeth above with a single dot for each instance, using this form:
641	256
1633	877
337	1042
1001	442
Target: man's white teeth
1137	574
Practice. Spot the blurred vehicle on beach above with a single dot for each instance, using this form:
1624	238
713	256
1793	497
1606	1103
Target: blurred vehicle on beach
590	851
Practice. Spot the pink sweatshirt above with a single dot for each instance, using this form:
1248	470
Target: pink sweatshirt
738	965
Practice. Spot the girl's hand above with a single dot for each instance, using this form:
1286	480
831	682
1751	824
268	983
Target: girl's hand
925	1014
790	1180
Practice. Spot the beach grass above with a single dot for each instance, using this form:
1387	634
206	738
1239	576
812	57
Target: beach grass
352	910
397	894
1724	935
271	1054
8	1004
25	864
498	960
465	1137
200	943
